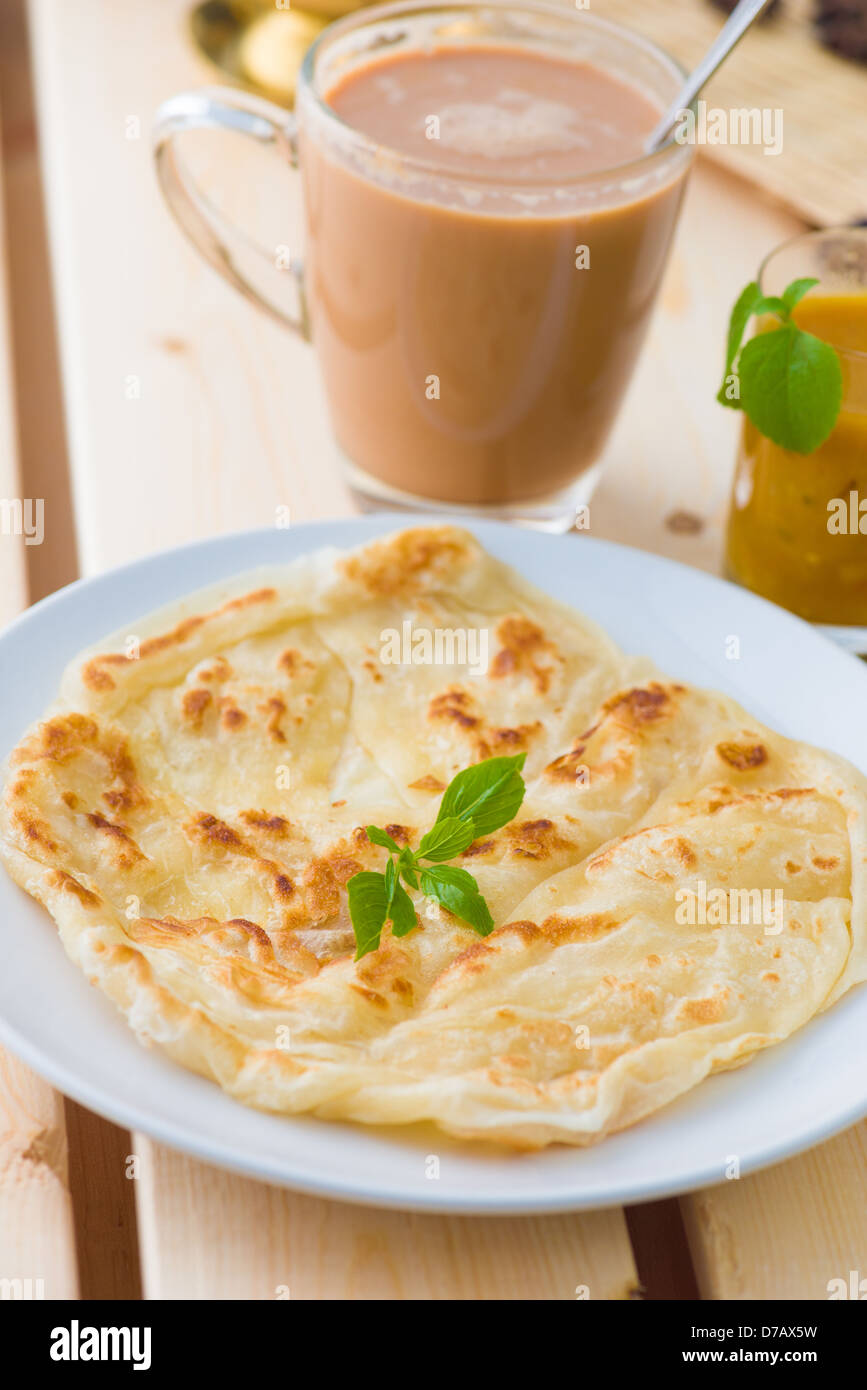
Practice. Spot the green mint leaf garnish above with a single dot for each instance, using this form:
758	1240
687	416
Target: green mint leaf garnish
794	293
448	838
788	382
368	908
791	387
771	304
402	912
458	891
741	315
478	801
489	794
379	837
390	881
407	865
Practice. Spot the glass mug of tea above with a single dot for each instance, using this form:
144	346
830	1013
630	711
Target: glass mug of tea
484	239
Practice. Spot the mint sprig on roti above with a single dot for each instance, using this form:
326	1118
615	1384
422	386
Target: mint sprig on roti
479	800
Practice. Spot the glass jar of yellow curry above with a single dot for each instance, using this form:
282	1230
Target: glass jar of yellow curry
797	530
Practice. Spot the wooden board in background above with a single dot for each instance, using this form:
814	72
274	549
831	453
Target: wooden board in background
821	172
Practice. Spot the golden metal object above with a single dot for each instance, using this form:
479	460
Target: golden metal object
271	50
259	45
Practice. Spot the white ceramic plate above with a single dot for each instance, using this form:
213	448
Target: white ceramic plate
786	1099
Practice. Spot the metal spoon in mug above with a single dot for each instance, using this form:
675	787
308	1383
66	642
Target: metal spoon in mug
732	31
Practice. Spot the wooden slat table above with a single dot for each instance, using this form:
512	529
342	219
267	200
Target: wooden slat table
37	1242
187	415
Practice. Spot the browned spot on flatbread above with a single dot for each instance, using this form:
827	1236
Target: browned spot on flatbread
66	737
590	927
231	717
195	704
246	601
129	795
35	831
252	929
96	677
414	559
681	849
128	852
283	886
324	878
825	863
709	1010
342	867
631	712
400	833
522	645
454	705
642	704
294	663
525	929
210	830
217	670
262	820
503	741
568	767
472	961
374	671
60	879
743	756
58	739
428	783
479	848
535	839
275	709
371	996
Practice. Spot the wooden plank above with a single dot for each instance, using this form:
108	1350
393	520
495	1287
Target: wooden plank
39	402
786	1232
228	415
261	1243
102	1200
37	1243
225	423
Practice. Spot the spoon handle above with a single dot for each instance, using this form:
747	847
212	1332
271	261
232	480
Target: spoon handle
732	31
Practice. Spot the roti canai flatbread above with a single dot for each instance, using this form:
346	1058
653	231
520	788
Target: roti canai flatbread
680	888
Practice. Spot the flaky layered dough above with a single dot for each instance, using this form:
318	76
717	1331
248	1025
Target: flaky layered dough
191	810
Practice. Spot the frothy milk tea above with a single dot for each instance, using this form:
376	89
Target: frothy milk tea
477	302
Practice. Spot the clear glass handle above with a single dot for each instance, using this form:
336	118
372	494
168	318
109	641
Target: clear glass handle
252	269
